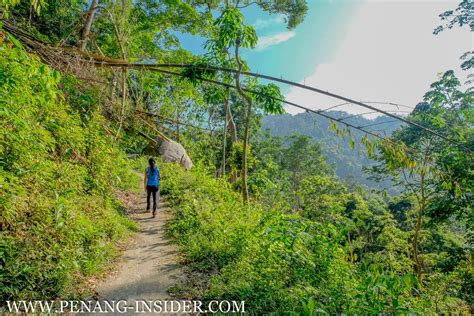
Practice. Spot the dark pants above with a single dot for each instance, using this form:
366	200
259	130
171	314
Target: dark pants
152	190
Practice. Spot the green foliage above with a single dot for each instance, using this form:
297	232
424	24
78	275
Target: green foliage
382	292
461	16
445	166
197	71
58	215
348	163
436	174
284	262
232	31
295	10
146	29
36	5
306	243
322	198
268	97
282	163
9	3
269	259
50	20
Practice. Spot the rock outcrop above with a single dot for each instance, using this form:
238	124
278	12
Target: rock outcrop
171	151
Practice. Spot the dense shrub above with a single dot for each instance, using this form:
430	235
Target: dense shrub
273	261
58	215
300	262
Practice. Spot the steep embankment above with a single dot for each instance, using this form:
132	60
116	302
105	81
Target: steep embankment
59	218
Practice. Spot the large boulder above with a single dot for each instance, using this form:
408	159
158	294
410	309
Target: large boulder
171	151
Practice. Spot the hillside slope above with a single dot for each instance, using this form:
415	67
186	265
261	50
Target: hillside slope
348	162
58	215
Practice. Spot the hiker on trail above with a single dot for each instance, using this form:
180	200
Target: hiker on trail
152	184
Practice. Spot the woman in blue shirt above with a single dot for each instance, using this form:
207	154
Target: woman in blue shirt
152	184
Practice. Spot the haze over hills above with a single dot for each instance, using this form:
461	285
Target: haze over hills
348	162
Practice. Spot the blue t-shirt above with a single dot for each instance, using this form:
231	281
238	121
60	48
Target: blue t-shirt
152	180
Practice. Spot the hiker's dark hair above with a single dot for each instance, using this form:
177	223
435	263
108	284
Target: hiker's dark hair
151	162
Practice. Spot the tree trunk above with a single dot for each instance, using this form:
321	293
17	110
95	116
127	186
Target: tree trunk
423	202
87	27
233	136
231	122
177	123
245	191
120	40
248	112
416	238
124	99
418	225
224	141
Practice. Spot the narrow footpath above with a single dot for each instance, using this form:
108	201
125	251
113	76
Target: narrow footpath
149	265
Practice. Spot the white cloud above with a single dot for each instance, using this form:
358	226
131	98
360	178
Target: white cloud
389	54
266	41
261	24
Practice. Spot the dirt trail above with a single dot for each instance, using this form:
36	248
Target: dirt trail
149	266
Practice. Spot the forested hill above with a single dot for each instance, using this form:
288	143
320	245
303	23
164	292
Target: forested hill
260	220
348	162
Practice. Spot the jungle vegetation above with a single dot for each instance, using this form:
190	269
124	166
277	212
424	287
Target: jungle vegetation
261	217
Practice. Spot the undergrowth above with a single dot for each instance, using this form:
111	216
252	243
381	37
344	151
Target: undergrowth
270	260
279	262
59	218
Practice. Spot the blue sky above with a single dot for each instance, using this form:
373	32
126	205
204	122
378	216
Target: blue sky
313	41
310	43
369	50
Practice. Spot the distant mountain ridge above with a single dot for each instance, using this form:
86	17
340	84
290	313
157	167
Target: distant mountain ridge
348	162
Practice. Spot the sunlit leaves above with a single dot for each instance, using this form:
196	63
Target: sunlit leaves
35	4
294	10
380	289
368	145
233	31
269	97
445	92
351	143
9	3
